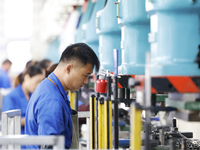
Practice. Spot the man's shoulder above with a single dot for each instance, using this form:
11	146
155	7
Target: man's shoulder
45	91
46	84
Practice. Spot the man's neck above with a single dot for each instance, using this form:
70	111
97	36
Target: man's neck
60	77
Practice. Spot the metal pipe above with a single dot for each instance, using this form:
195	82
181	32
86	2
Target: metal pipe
147	102
127	93
172	144
116	114
56	141
97	134
97	122
76	99
108	113
162	136
116	101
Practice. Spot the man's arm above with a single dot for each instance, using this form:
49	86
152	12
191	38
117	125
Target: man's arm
50	118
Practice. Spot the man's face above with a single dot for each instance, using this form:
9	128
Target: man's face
7	66
32	82
79	75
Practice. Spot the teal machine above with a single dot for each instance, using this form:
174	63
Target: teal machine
109	34
173	68
89	28
174	61
174	37
85	17
135	26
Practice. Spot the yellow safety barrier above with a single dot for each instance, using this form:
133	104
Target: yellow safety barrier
108	124
72	99
101	124
93	139
136	127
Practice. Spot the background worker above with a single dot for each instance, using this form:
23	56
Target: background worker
18	98
45	63
5	81
49	111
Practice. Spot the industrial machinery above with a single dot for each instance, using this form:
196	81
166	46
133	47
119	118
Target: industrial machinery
157	43
171	68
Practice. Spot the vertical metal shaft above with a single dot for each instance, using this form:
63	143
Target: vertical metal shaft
98	95
116	113
127	93
108	116
76	100
147	102
116	101
97	122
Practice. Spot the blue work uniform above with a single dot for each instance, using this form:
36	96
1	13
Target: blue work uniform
4	79
16	99
49	111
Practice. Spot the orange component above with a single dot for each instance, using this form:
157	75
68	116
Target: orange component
153	90
183	84
119	85
133	76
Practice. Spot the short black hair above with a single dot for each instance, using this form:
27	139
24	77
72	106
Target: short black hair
44	63
82	52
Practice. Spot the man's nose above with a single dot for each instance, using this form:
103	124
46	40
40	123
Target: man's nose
86	80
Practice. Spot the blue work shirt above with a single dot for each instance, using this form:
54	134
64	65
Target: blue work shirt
16	99
4	79
49	111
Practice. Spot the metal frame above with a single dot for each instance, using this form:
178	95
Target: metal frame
11	130
11	125
11	122
58	142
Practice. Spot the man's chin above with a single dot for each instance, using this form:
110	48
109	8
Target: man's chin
75	89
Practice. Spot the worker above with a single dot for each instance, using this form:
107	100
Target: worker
18	98
45	63
5	81
49	111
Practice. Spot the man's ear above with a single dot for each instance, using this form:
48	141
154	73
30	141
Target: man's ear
68	68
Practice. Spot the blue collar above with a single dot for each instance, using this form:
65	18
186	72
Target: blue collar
53	77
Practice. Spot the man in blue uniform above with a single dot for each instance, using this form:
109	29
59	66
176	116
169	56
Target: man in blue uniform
49	111
4	78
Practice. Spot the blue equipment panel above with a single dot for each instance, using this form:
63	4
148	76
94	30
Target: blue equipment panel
85	17
89	29
109	35
135	26
174	37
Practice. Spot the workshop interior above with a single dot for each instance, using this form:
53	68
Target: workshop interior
146	94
